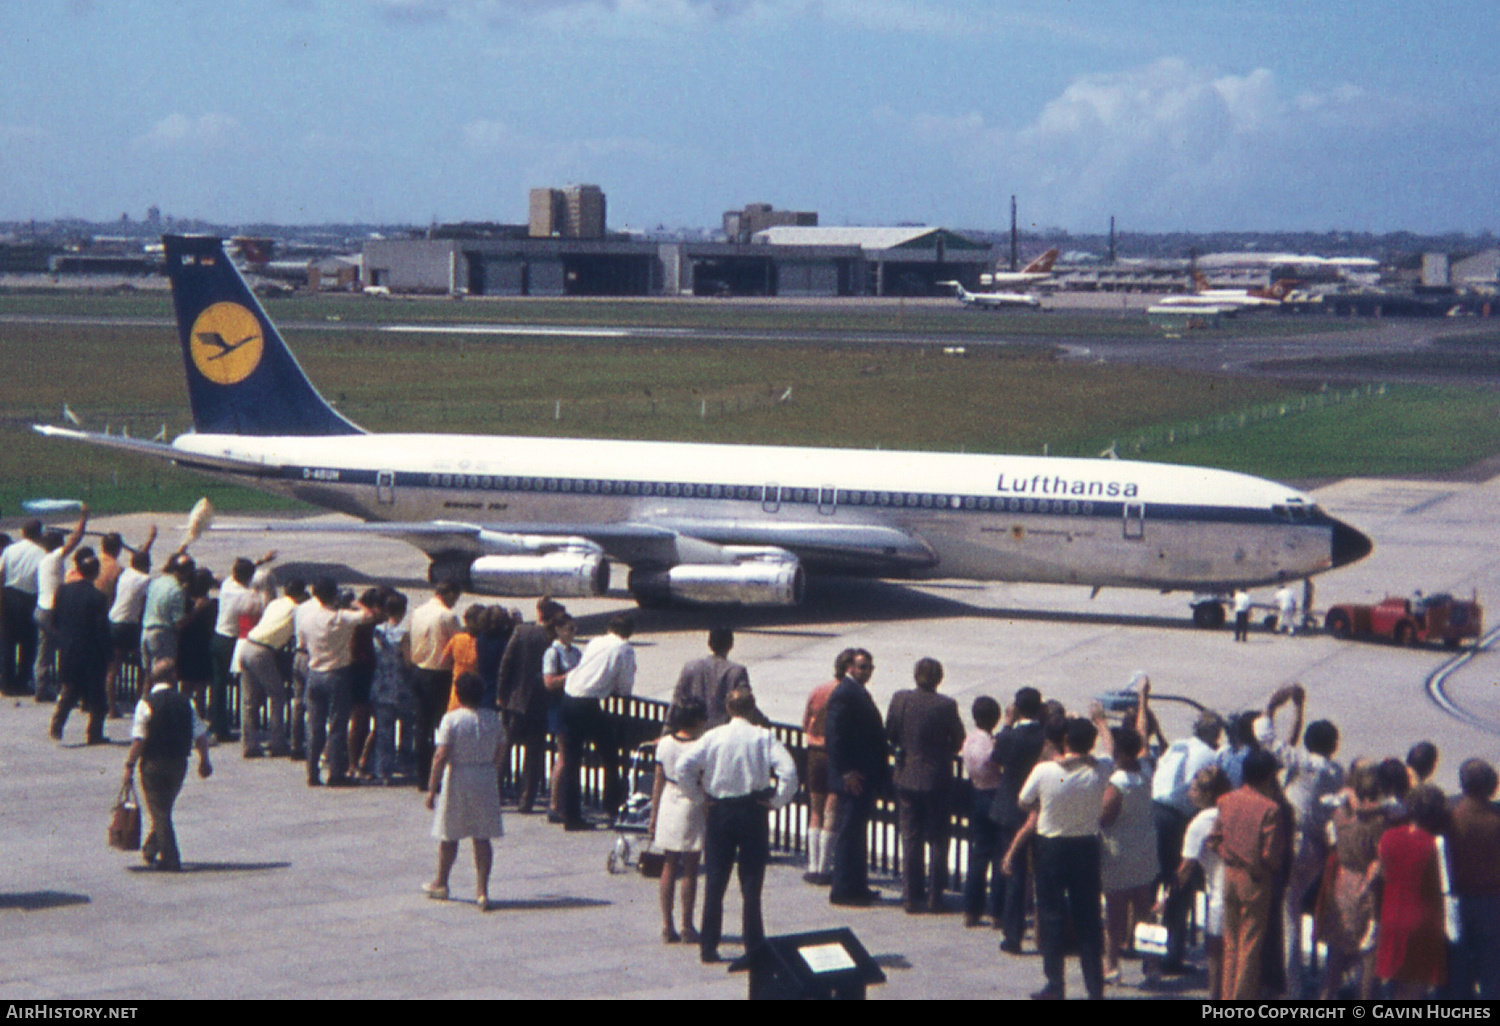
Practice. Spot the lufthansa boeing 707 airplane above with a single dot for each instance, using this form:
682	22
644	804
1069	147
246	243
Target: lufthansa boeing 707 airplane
707	523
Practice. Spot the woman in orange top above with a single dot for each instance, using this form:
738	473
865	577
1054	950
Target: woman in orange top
462	653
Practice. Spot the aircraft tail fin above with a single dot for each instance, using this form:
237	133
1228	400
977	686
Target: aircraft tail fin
1043	263
1279	289
242	379
256	251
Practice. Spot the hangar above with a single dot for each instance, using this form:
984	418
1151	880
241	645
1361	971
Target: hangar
903	261
506	264
504	260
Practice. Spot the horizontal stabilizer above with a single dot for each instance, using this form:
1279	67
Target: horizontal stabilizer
156	450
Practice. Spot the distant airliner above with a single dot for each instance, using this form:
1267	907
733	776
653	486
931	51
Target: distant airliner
992	300
1007	284
1039	270
1204	297
712	523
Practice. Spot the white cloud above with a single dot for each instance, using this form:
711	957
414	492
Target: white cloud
209	131
494	137
1168	143
583	156
900	16
501	12
14	135
891	16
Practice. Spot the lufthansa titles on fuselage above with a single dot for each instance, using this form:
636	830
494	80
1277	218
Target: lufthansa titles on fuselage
1055	485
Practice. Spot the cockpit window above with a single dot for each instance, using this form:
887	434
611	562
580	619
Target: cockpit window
1296	510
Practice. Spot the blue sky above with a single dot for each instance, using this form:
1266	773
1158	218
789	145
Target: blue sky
1253	115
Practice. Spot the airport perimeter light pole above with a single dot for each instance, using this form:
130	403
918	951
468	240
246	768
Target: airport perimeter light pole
1014	253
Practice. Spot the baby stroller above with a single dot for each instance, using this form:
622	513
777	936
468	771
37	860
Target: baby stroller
633	819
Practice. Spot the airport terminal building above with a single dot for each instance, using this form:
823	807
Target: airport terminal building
798	261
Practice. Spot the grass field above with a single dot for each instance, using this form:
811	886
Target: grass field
897	395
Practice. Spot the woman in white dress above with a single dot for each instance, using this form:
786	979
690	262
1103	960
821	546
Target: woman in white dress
677	822
467	765
1209	785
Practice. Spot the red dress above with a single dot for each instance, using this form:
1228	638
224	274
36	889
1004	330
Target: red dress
1412	945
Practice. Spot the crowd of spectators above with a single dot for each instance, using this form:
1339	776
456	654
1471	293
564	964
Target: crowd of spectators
1100	836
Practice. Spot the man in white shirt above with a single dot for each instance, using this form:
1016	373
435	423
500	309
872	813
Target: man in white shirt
606	668
1286	610
1068	795
125	616
742	772
1172	809
1241	615
433	624
236	600
327	632
262	675
18	572
165	731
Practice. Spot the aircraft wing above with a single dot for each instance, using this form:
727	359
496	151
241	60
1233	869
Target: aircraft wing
850	548
448	538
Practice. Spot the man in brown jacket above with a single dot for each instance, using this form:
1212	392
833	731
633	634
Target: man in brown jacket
926	733
1473	840
1252	840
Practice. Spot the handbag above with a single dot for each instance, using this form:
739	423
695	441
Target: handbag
125	819
651	863
1151	939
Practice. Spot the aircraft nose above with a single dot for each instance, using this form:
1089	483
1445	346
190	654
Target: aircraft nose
1349	545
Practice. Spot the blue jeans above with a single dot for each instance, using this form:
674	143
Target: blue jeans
328	721
387	715
984	862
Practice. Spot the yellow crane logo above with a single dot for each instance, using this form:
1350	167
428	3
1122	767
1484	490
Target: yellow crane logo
226	343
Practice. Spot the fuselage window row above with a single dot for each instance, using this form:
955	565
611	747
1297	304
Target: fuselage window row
758	493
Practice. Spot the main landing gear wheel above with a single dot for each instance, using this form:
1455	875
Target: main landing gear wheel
1209	615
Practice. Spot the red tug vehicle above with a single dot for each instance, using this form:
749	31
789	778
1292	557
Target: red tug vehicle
1413	621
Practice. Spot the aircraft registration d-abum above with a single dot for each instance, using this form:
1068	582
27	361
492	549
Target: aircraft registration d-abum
709	523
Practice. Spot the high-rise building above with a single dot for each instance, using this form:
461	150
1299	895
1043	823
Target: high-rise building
549	213
577	212
585	212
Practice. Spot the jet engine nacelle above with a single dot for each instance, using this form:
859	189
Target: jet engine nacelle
776	580
563	574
